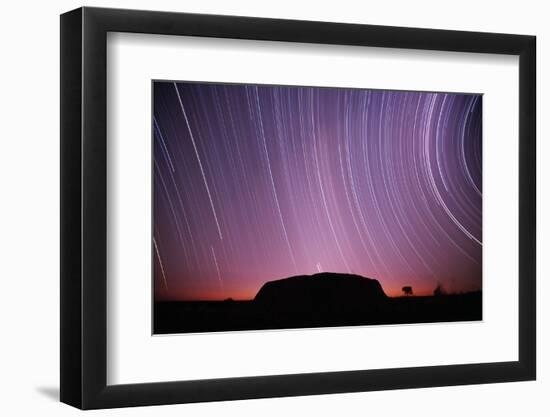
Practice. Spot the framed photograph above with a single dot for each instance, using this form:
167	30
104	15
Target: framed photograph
256	208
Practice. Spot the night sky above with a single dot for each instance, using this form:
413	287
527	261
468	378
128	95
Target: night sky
254	183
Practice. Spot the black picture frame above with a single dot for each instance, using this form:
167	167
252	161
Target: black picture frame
84	207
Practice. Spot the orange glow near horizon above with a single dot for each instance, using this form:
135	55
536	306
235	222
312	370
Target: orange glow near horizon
248	294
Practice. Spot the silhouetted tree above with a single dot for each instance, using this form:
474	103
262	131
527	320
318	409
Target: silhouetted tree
439	290
407	290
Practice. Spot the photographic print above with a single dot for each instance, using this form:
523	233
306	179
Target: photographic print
283	207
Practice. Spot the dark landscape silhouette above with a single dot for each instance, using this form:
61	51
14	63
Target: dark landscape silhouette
320	300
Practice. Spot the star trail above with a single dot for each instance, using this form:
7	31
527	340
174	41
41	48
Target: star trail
253	183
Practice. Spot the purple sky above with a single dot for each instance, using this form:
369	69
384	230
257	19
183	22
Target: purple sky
255	183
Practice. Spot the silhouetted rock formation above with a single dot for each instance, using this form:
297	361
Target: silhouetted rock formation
321	292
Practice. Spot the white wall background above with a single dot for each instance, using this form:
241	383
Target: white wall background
29	226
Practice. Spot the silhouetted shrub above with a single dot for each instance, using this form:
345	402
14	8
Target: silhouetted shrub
439	290
407	290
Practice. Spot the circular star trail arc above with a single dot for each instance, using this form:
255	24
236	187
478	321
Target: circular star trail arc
254	183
